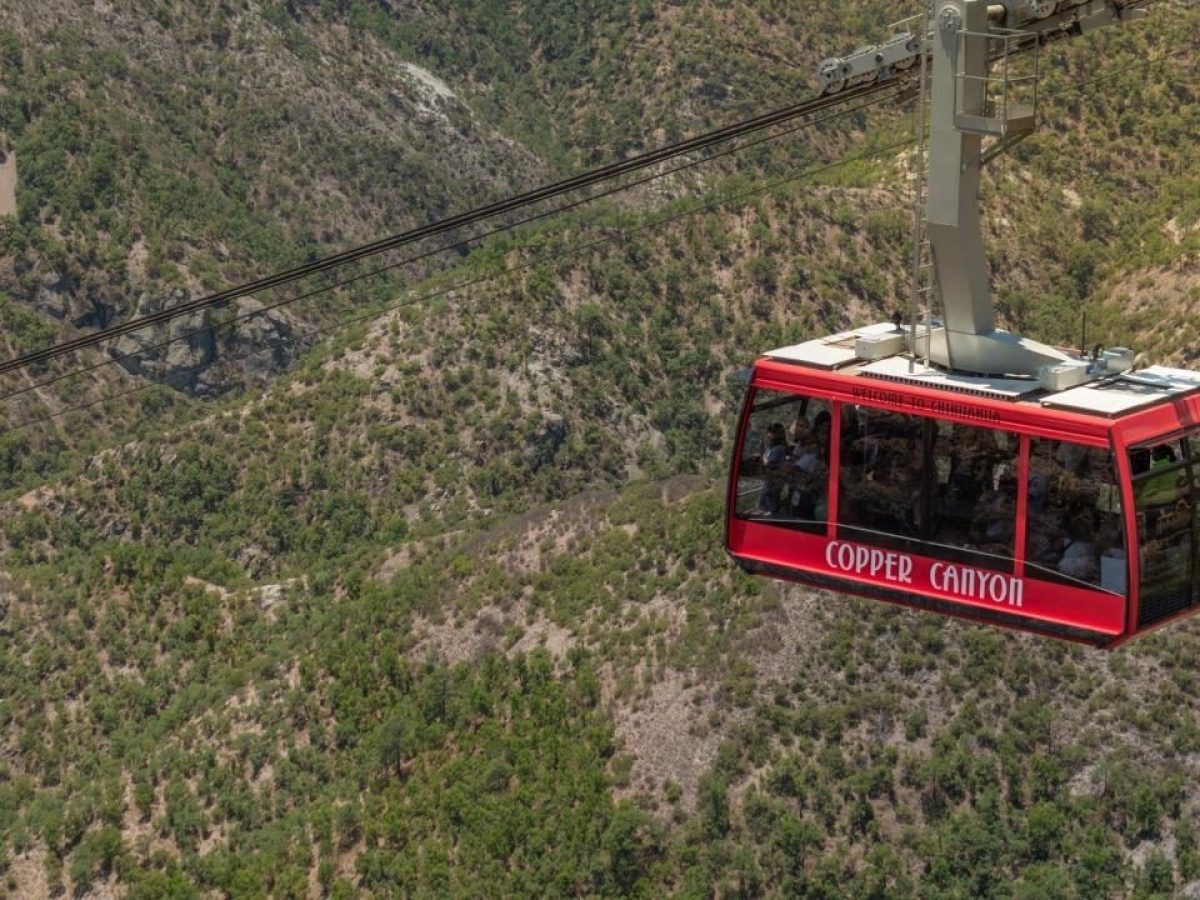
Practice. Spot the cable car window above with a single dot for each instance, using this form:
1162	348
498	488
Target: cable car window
929	486
881	473
783	471
1162	496
1074	529
975	496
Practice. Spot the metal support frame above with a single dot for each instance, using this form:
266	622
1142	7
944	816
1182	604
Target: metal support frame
922	266
963	111
966	47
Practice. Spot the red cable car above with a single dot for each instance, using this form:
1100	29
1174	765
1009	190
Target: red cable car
954	466
1072	514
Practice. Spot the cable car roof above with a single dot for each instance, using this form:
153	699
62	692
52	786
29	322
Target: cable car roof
1109	397
1126	392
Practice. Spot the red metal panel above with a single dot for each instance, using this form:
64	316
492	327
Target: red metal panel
1159	422
1133	555
972	588
735	464
835	469
1021	533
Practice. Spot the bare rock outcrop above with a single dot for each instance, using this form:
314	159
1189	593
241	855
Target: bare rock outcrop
210	350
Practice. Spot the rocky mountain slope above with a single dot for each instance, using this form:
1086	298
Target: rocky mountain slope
441	609
168	152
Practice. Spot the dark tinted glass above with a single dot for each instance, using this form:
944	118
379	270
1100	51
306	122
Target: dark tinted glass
975	495
1162	497
929	486
1074	530
783	472
883	468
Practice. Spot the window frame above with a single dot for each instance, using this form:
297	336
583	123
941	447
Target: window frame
790	397
1017	564
923	543
1046	574
1188	464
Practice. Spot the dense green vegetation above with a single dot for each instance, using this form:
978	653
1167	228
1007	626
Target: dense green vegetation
442	610
180	737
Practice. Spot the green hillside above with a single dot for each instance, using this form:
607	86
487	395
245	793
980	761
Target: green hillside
434	604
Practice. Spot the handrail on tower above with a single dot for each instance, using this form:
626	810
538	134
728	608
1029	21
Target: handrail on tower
1002	112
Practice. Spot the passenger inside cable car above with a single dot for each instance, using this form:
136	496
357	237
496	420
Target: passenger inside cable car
950	493
787	482
926	485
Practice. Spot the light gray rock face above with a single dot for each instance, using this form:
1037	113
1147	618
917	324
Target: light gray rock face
61	296
211	350
51	297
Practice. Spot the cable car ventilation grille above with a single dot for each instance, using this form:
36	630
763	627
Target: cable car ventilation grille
1155	609
905	371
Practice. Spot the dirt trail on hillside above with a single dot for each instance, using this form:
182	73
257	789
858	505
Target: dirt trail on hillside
8	184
